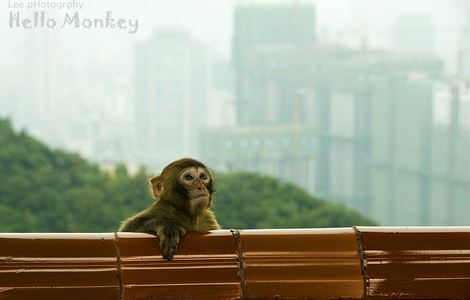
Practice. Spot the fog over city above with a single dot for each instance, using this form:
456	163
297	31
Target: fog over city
361	102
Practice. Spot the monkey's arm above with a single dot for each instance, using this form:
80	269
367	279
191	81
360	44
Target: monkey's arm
170	232
161	222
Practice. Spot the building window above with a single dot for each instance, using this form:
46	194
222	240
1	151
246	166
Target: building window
464	108
464	118
342	115
441	105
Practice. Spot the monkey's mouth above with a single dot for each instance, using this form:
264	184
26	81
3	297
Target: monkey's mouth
197	196
202	199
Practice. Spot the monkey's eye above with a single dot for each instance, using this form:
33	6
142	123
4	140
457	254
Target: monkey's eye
188	176
203	176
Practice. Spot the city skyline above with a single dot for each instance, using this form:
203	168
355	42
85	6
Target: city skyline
108	48
145	98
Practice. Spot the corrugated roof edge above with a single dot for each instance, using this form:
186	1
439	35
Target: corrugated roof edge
330	263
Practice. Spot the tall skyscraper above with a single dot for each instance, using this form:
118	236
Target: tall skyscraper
261	28
413	34
172	81
463	55
38	100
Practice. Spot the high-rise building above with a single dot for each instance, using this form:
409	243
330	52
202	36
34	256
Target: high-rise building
463	55
413	34
262	28
376	131
172	81
40	69
221	101
384	137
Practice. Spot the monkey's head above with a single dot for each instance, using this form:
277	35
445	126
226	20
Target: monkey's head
186	183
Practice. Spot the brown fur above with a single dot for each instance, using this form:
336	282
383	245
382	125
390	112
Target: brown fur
181	205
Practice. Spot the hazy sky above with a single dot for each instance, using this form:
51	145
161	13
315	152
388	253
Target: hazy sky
210	21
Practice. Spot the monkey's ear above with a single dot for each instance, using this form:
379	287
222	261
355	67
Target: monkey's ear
156	184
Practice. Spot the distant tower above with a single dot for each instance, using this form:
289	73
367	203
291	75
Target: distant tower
41	68
463	59
360	11
413	34
258	26
171	89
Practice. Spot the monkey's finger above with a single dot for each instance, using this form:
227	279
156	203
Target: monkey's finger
168	256
169	246
164	248
167	253
182	232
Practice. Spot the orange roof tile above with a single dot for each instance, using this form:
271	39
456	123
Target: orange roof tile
352	263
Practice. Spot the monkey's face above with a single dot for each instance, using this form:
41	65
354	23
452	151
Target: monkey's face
195	184
186	183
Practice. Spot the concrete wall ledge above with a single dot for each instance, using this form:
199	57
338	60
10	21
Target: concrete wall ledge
336	263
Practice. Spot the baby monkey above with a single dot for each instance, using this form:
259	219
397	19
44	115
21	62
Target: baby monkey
183	193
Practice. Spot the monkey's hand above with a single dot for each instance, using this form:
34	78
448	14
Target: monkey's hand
170	235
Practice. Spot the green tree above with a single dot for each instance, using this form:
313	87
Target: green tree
55	191
247	200
45	190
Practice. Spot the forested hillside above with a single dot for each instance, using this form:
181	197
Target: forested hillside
45	190
247	200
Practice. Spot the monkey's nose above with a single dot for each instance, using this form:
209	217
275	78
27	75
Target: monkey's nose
200	186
